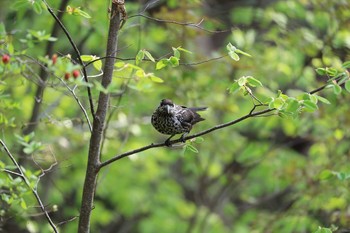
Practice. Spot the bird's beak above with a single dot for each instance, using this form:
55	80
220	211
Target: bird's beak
168	109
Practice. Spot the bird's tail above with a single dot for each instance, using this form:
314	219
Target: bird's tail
197	117
195	109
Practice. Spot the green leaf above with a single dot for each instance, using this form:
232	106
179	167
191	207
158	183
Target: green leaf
97	64
347	85
161	64
336	89
176	53
313	98
331	72
276	103
242	81
84	14
184	50
174	61
139	57
323	230
149	56
86	58
191	148
37	7
323	100
310	105
20	4
234	87
198	140
325	175
342	175
156	79
346	65
321	71
230	47
253	81
23	204
243	53
292	105
234	56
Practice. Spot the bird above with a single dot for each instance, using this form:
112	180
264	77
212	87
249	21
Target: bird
172	119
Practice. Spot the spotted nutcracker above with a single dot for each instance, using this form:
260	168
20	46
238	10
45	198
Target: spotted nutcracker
172	119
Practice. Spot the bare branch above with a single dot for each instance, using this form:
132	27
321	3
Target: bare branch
78	55
217	127
26	181
188	24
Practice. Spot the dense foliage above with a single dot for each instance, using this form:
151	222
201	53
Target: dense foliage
285	171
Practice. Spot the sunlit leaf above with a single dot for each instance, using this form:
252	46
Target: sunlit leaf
149	56
253	81
161	64
310	105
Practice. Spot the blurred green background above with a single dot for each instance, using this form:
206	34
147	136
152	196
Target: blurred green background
265	174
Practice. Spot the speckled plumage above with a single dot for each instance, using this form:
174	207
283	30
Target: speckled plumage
173	119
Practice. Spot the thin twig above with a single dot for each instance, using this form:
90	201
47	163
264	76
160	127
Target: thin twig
78	55
217	127
158	59
27	182
154	145
189	24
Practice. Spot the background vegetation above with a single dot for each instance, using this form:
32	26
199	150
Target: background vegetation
287	171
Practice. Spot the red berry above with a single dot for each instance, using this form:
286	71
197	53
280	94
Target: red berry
76	73
66	76
5	58
54	59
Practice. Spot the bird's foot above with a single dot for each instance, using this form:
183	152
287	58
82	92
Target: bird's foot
167	142
182	138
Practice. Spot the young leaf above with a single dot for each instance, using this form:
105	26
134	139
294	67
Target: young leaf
309	105
323	100
156	79
230	47
346	65
84	14
97	64
174	61
161	64
242	81
86	58
234	87
233	55
331	72
336	89
347	85
149	56
325	175
292	105
253	81
191	148
176	53
321	71
184	50
139	57
243	53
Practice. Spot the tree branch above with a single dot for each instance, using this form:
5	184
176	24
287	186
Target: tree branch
154	145
43	76
93	165
21	174
195	25
78	55
217	127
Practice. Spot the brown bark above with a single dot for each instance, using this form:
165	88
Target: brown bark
93	165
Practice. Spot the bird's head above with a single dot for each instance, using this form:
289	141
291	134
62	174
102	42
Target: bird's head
166	105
